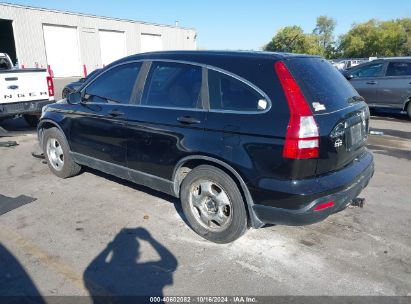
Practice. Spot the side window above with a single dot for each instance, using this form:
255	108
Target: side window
371	70
173	85
228	93
399	69
115	85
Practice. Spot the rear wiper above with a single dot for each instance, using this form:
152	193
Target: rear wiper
353	99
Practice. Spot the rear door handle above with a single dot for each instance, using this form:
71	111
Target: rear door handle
371	82
188	120
115	113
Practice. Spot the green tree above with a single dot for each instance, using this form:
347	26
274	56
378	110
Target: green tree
376	38
324	30
293	39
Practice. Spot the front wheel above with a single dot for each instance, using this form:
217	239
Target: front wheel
56	150
213	204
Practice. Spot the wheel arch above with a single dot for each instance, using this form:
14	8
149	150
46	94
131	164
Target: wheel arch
407	101
185	165
45	124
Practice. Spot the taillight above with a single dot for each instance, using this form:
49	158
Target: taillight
50	86
302	138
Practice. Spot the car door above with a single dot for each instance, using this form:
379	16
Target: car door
239	125
366	80
97	125
168	123
395	87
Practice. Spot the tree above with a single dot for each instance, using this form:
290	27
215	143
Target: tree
376	38
293	39
324	31
371	38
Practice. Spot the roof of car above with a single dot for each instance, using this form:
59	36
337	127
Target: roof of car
210	54
395	58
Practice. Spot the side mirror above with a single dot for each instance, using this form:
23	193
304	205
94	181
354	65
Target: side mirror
74	98
348	76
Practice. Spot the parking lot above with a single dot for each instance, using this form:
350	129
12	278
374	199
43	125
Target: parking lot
96	235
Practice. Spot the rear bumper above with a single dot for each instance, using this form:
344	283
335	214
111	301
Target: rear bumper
26	107
340	194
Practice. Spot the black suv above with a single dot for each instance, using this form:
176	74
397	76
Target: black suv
243	138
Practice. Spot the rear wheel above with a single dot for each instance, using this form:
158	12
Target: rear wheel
31	120
56	150
65	93
213	204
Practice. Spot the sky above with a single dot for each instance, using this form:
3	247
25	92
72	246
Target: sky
236	24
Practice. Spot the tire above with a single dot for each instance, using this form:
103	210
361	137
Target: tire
409	109
56	151
213	204
65	93
31	120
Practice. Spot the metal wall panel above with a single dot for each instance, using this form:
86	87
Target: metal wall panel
29	37
63	60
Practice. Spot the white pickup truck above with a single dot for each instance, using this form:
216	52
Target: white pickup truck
23	91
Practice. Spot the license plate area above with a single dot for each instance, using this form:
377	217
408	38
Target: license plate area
354	136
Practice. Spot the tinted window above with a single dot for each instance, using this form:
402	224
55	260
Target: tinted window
371	70
321	83
399	69
228	93
173	85
114	85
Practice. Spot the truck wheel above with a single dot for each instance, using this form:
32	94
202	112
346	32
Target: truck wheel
409	110
31	120
213	204
56	150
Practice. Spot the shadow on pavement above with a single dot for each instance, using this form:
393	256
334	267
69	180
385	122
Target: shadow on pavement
16	285
117	271
389	115
395	133
17	125
168	198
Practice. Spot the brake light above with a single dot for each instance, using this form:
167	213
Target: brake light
302	138
50	86
324	206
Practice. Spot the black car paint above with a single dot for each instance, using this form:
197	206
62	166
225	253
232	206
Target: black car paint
147	145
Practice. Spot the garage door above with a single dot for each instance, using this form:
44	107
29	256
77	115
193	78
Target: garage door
62	50
151	43
112	46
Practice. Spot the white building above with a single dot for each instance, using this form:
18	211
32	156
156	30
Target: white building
70	42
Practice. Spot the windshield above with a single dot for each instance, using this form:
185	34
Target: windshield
323	85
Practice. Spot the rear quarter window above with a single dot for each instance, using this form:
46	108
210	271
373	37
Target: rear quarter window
321	83
231	94
399	69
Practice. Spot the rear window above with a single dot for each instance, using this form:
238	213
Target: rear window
324	87
399	69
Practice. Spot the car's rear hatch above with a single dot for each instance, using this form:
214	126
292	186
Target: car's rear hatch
340	113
